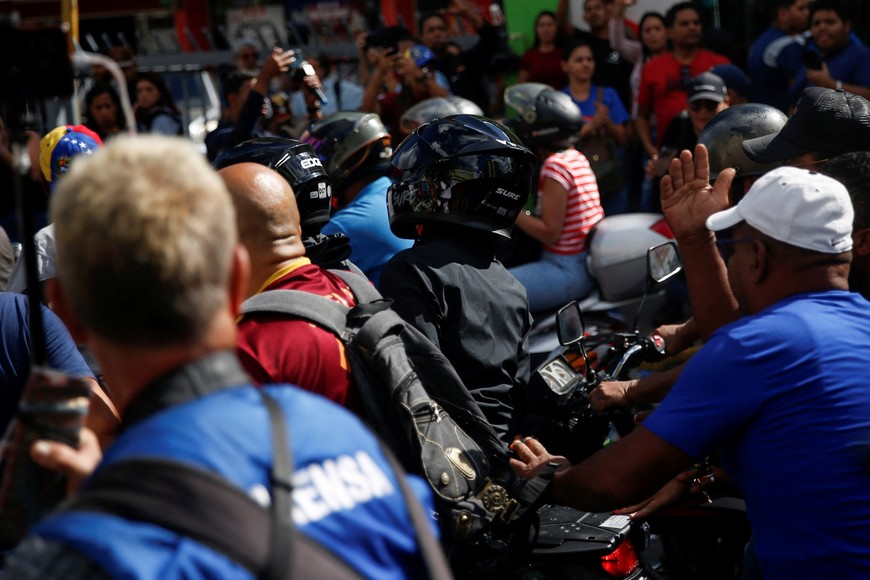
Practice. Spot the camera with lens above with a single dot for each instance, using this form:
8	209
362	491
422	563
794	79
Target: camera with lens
300	69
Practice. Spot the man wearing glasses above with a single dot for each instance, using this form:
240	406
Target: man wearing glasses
780	392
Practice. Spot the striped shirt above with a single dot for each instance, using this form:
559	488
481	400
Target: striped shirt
570	169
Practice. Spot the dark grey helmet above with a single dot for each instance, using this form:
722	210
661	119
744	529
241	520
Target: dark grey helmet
543	115
351	145
725	133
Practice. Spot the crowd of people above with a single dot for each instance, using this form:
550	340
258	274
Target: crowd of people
151	249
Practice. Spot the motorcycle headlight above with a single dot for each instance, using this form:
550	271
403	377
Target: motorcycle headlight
557	374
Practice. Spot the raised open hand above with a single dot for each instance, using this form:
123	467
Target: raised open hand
687	197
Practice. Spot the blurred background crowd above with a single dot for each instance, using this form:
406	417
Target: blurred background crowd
189	68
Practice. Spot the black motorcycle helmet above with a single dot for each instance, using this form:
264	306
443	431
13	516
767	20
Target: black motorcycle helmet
351	145
299	165
543	115
725	133
461	170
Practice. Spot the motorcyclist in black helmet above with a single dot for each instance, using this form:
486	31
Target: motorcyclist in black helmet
568	204
460	183
300	166
355	148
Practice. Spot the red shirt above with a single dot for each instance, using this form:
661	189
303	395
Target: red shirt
275	349
662	86
544	67
570	169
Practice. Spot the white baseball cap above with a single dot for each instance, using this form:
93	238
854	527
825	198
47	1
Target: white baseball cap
797	207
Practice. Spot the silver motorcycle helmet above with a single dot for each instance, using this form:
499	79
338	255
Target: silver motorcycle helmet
436	108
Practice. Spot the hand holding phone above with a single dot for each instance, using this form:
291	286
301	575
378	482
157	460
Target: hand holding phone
53	406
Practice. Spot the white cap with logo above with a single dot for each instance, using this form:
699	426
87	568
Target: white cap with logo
797	207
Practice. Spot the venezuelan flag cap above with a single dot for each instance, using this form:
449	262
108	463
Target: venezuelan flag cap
58	148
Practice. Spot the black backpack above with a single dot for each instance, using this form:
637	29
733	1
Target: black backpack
414	399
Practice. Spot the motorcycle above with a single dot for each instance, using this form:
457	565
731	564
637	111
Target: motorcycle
616	260
558	396
700	537
572	543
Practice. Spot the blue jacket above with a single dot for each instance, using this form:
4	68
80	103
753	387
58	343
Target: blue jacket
345	495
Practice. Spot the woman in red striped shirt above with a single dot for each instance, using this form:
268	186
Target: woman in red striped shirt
568	204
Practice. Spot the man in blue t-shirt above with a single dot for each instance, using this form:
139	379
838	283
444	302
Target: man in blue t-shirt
775	56
781	393
15	357
843	59
355	148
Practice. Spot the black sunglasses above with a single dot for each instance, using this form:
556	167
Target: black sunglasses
703	104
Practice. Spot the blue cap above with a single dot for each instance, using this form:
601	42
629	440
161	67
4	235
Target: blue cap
420	55
734	77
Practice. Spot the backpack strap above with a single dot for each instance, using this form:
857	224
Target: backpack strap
281	532
360	286
322	311
215	514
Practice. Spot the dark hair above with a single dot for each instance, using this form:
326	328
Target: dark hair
427	15
233	82
103	88
834	5
671	14
566	53
165	99
559	41
853	171
773	7
646	16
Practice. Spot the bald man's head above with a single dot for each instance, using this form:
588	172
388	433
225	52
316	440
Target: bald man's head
267	216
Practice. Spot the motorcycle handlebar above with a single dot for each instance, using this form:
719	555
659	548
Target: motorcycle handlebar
647	348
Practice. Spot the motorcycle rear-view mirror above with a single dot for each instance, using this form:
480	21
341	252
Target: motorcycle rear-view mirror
569	324
663	262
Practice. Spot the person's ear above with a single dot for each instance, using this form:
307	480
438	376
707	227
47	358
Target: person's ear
59	304
240	273
758	266
861	242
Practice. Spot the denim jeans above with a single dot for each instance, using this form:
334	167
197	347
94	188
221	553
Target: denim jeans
554	280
